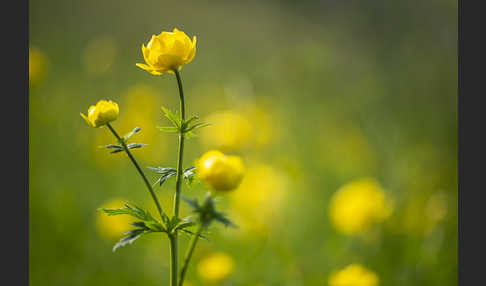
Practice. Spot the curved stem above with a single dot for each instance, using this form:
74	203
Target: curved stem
189	252
147	183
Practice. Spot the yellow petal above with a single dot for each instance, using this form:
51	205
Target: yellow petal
145	52
144	66
155	72
86	119
178	49
192	53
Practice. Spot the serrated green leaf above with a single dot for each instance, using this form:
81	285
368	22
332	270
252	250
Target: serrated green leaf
189	121
196	126
190	233
112	146
134	131
172	117
116	151
219	217
135	145
168	129
161	170
130	237
192	202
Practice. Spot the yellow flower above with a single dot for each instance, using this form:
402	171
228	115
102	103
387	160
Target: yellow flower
216	267
112	227
105	111
37	65
168	51
353	275
358	205
220	172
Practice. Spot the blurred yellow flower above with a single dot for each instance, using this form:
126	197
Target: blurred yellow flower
99	55
358	205
230	131
37	65
220	172
112	227
168	51
105	111
353	275
216	267
260	197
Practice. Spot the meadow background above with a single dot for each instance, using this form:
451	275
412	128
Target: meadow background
313	95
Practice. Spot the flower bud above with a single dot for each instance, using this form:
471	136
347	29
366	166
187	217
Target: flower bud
105	111
220	172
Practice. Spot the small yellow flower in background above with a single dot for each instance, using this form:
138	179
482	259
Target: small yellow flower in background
168	51
105	111
112	228
353	275
230	131
220	172
216	267
358	205
37	65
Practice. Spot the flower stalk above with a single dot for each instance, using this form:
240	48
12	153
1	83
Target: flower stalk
177	196
137	166
189	253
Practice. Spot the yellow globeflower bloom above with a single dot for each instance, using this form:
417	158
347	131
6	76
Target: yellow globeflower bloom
216	267
168	51
112	227
105	111
353	275
220	172
357	205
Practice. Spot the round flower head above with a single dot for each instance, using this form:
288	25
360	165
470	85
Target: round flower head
355	275
359	204
216	267
220	172
168	51
103	112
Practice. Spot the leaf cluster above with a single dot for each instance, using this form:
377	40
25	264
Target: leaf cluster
207	211
119	147
167	173
146	224
184	127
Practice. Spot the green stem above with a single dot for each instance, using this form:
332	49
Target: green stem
173	237
173	259
147	183
189	252
181	146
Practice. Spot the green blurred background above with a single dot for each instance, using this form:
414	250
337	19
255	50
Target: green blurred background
313	95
